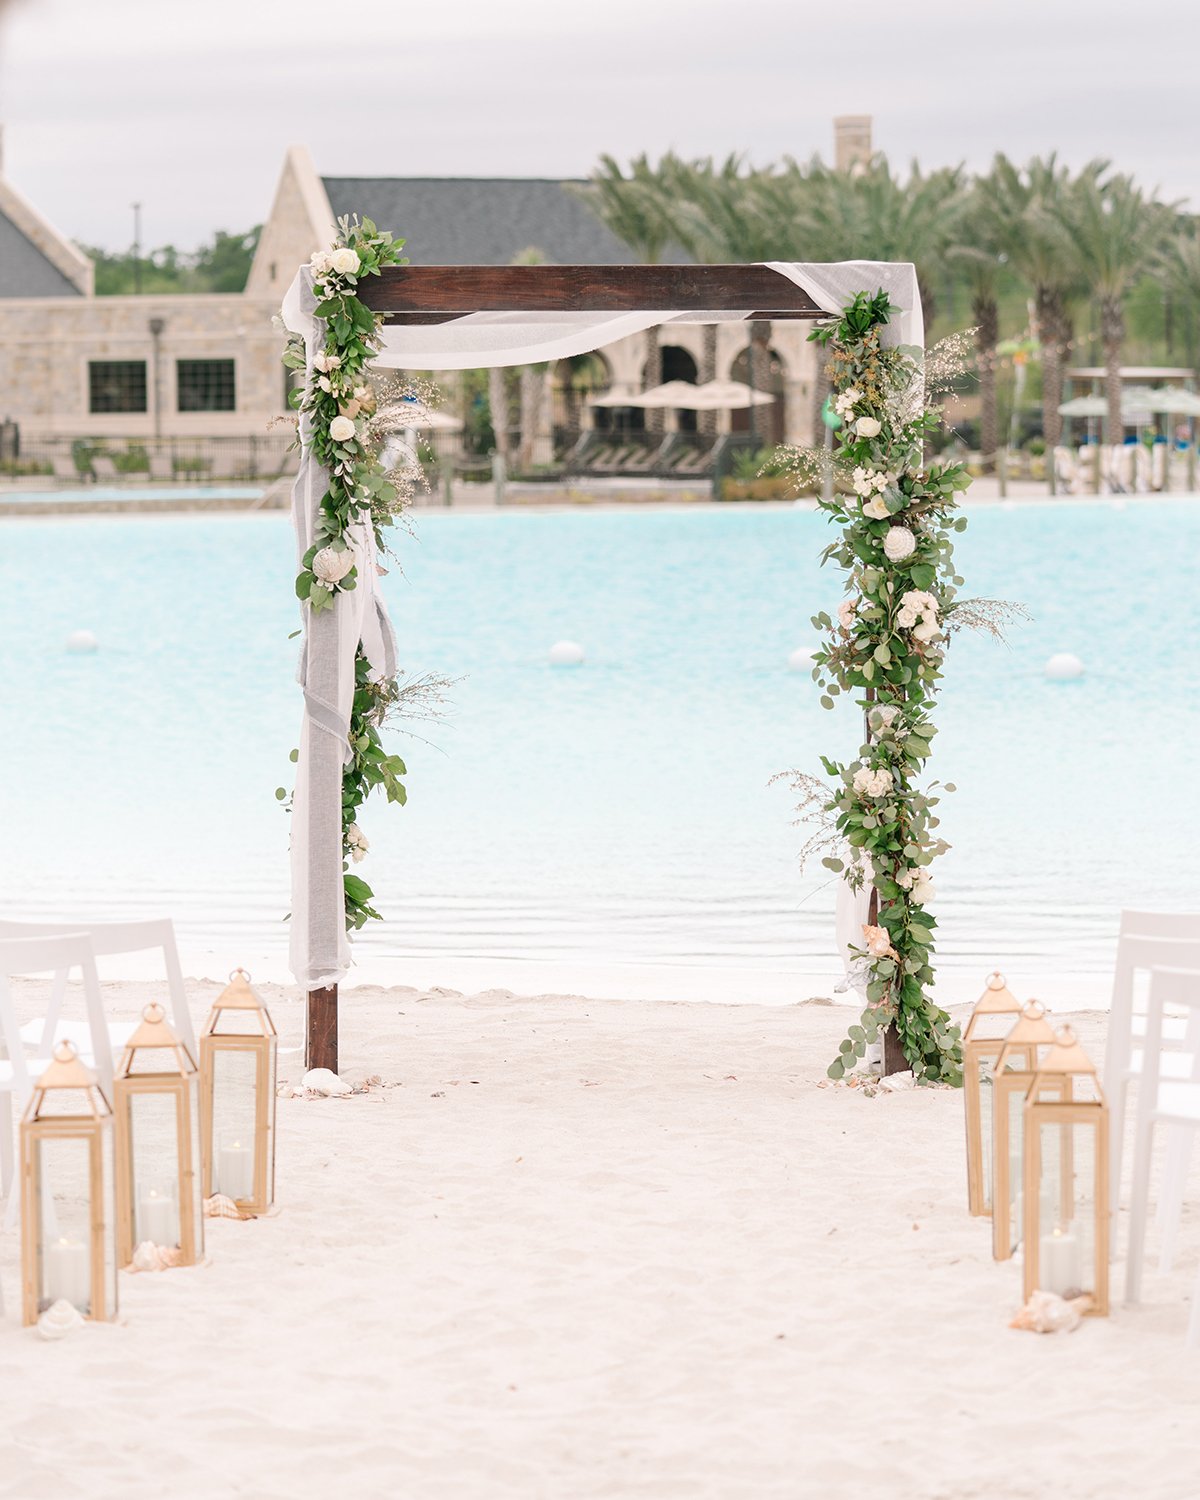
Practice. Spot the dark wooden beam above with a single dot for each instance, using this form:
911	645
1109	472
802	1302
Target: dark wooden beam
321	1029
430	294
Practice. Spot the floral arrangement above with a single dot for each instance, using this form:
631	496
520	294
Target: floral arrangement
886	647
347	423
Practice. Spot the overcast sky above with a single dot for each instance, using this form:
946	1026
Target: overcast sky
188	105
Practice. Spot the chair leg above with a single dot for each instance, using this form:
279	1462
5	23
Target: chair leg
8	1175
1193	1333
1171	1194
1142	1151
1118	1100
58	991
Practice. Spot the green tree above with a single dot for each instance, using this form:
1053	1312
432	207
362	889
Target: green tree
1108	230
221	265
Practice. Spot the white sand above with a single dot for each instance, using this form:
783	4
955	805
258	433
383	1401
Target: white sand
593	1249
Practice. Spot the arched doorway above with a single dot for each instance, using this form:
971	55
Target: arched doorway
767	420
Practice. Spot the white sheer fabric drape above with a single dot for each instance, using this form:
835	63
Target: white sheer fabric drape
320	950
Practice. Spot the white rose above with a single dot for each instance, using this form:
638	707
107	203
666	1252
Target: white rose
345	261
320	262
867	427
341	430
905	878
876	509
925	631
331	566
899	543
887	713
922	888
852	395
356	838
846	613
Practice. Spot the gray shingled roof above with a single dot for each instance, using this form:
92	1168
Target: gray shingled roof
25	271
480	221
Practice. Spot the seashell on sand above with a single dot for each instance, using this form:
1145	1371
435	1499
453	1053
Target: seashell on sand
59	1319
1046	1312
325	1081
151	1257
220	1206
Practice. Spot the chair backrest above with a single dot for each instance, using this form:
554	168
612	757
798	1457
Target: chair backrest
1170	984
44	954
1167	924
109	938
106	938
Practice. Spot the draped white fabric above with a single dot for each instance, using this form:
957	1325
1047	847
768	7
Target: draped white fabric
320	950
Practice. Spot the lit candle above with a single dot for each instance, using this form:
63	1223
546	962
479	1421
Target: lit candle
68	1273
1060	1263
157	1219
235	1171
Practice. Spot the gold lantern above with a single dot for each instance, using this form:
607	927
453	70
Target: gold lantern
157	1138
994	1013
66	1193
237	1098
1015	1065
1066	1177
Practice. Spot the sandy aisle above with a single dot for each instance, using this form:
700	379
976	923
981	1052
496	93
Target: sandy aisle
587	1250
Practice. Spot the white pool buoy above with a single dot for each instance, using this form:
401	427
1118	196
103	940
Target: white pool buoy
566	654
801	659
1064	666
80	641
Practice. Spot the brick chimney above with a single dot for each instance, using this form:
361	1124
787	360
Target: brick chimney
851	142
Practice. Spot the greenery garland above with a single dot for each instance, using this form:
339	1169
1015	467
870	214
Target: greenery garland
345	437
887	645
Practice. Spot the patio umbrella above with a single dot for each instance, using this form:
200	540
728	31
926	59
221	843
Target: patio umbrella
1084	406
728	395
677	393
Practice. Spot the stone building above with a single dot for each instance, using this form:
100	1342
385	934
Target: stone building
176	369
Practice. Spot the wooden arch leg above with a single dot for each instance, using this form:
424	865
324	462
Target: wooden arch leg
321	1033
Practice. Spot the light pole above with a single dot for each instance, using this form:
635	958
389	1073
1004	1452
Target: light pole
156	328
137	249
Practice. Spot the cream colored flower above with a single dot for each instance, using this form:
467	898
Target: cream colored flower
846	611
867	427
899	543
341	429
922	888
345	261
320	262
876	509
331	565
925	631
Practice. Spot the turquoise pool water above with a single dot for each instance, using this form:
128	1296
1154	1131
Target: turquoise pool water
620	811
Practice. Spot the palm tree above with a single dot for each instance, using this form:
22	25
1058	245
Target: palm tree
1110	230
1178	264
979	256
633	207
1024	200
534	384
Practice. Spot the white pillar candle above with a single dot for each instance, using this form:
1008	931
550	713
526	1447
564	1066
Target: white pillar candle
235	1171
1060	1263
158	1220
68	1273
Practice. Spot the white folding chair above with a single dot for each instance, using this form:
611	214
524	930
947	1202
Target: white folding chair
1147	939
109	939
1161	1101
43	955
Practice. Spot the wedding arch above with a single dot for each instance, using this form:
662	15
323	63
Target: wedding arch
360	306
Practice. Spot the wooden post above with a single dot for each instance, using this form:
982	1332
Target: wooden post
321	1031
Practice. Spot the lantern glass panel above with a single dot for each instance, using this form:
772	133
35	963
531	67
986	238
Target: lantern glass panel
1066	1249
65	1182
235	1120
153	1127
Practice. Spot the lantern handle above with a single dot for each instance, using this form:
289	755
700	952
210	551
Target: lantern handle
153	1012
239	970
996	980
